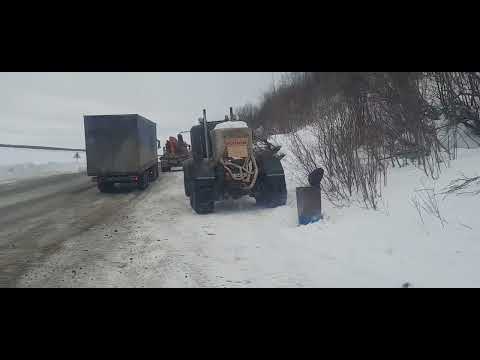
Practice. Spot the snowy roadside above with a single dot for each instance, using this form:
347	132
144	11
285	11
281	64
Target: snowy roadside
241	245
21	164
16	172
161	242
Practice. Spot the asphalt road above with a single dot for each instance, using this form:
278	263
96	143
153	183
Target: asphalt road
37	216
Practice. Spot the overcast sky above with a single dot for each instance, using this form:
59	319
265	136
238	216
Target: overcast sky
48	108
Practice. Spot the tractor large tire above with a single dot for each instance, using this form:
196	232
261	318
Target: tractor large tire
186	186
190	196
202	199
186	180
273	192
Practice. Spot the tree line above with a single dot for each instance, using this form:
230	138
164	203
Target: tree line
358	124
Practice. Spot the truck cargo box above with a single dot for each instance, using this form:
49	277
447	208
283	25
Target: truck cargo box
119	144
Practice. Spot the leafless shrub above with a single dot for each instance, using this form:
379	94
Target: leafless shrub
459	96
416	203
460	185
334	146
362	123
426	200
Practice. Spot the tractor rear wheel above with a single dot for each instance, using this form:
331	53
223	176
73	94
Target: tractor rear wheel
273	192
186	180
186	186
201	199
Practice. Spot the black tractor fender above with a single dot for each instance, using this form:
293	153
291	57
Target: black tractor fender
187	164
203	169
270	188
270	166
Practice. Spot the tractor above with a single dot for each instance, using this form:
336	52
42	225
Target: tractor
227	163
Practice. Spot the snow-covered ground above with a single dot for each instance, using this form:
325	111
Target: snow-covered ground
18	164
161	242
241	245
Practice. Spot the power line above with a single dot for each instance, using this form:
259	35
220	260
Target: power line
39	147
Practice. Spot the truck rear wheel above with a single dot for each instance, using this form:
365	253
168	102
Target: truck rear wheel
105	187
152	176
144	180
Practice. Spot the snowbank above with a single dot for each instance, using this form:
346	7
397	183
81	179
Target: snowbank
15	172
10	156
16	164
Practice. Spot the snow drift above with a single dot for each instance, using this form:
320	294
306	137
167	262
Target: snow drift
17	164
243	245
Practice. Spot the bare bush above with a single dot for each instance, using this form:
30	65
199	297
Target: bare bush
426	200
416	203
460	186
362	123
249	114
459	96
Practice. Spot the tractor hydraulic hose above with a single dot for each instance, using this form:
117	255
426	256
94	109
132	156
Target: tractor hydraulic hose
245	171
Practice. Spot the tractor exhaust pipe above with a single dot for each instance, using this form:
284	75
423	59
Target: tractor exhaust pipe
205	126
